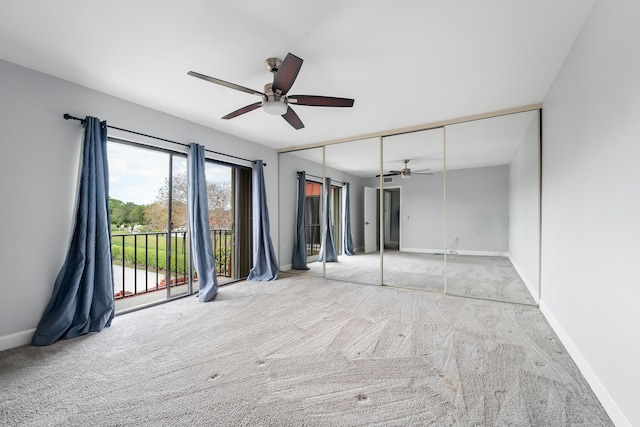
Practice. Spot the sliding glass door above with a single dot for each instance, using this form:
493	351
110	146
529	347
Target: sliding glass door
148	209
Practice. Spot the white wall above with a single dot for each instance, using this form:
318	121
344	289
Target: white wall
39	161
591	205
524	208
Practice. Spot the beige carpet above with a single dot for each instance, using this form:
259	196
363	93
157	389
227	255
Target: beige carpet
303	351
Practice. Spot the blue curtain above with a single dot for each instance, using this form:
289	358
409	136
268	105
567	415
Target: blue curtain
199	230
348	239
265	265
300	243
82	298
328	241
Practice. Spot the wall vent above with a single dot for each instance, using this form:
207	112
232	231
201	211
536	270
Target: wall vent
388	179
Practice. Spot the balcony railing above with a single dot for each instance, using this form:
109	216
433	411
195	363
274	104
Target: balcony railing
141	258
314	233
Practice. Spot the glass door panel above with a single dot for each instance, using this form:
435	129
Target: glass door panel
142	192
242	213
222	219
177	241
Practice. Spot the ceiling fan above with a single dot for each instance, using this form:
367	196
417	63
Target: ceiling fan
406	172
274	96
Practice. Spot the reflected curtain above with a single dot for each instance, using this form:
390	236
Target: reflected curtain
348	239
265	264
299	261
82	298
328	241
199	229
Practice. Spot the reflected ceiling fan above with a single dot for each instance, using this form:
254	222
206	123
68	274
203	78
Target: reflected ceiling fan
406	172
274	96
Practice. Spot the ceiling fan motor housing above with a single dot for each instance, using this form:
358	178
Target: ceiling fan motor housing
406	172
273	64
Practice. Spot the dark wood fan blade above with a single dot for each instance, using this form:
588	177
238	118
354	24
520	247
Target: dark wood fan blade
243	110
320	101
226	84
292	118
286	74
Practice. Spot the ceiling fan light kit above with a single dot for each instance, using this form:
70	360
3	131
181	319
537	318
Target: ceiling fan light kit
277	108
274	99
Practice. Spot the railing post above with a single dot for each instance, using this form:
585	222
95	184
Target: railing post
123	269
146	262
135	263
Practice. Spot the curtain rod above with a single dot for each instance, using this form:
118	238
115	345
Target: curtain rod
68	116
320	178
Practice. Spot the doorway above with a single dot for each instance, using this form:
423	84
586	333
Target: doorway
391	215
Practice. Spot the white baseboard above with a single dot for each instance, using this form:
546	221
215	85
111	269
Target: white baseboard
458	252
480	253
608	402
533	289
16	340
422	250
286	267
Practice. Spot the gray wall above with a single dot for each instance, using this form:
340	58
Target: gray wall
288	165
39	161
524	209
591	205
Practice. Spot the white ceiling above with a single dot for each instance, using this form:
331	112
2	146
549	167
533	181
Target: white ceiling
405	63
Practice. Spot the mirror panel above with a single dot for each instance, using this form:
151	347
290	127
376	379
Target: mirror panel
492	208
413	210
310	161
355	163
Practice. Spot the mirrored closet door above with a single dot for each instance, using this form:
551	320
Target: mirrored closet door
301	211
412	210
492	208
351	168
453	209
